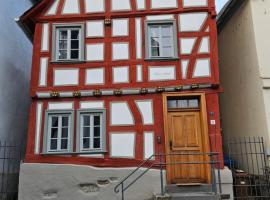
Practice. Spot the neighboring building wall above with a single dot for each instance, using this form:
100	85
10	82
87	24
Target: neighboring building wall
15	65
261	16
242	104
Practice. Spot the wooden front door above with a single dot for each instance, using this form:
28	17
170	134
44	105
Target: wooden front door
185	135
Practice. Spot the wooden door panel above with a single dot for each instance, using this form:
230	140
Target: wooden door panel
185	137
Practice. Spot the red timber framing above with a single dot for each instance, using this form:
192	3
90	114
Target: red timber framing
34	20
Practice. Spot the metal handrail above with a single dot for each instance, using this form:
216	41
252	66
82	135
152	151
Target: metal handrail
161	164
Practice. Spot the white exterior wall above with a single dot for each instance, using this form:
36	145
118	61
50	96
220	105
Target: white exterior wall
243	107
15	62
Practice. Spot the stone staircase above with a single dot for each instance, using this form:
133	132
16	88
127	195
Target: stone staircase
190	192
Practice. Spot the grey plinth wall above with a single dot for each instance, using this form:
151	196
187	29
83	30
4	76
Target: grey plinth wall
72	182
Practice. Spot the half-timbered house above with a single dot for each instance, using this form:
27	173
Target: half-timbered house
115	82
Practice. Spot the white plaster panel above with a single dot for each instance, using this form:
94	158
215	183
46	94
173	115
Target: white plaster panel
139	73
53	9
138	38
204	46
95	52
202	68
120	74
140	4
195	3
45	37
192	21
60	106
120	27
43	72
184	68
94	6
95	76
160	17
95	28
91	104
148	144
38	127
121	114
120	51
164	4
71	7
66	77
123	145
187	45
146	110
120	5
162	73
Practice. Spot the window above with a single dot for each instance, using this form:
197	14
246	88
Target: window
161	40
59	132
92	130
68	43
184	103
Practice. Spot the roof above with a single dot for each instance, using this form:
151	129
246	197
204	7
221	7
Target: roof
27	21
227	12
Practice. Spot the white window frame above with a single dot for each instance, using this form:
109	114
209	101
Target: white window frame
69	28
48	128
148	25
91	112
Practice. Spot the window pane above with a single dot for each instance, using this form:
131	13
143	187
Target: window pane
75	44
86	120
74	34
64	132
54	121
154	42
183	103
74	54
97	143
166	41
53	145
62	54
63	34
86	143
96	120
166	31
86	132
54	132
193	103
64	144
62	44
167	51
172	103
154	31
97	132
65	121
155	51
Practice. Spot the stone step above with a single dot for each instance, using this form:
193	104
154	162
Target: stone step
194	196
188	188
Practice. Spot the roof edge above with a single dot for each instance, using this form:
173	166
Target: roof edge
227	12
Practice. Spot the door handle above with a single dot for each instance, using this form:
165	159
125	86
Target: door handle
171	144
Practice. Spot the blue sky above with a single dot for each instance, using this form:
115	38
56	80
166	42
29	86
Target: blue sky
220	4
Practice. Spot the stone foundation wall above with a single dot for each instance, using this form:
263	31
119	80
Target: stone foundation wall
72	182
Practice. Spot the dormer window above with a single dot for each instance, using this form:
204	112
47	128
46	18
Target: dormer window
161	40
68	43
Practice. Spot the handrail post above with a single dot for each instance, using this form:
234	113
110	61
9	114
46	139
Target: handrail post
214	184
161	174
122	188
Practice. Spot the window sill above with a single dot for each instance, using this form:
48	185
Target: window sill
161	59
68	62
72	153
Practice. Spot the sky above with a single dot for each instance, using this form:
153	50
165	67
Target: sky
220	4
